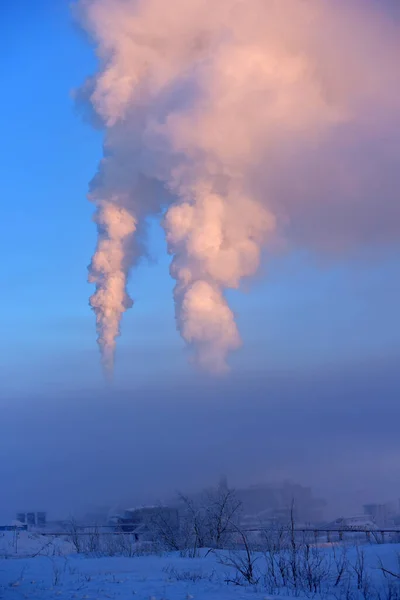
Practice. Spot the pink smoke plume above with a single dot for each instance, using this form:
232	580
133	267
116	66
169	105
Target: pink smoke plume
261	119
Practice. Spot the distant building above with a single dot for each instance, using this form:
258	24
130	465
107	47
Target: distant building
354	523
41	519
381	514
142	521
32	518
266	504
95	515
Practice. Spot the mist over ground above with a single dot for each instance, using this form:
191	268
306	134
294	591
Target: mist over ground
334	430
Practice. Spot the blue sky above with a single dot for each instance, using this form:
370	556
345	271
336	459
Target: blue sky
297	314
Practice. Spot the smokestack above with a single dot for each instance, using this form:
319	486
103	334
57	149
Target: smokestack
256	121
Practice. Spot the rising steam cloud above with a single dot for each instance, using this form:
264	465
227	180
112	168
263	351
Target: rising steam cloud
245	121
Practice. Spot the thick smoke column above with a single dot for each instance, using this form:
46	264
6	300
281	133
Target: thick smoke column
260	119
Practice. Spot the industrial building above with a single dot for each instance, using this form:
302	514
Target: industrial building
32	518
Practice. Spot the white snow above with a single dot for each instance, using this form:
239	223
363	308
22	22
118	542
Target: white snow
58	572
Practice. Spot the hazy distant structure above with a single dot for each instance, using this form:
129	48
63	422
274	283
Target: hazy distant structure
270	503
381	514
354	523
141	521
32	518
41	519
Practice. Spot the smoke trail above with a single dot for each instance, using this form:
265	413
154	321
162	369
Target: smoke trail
109	270
255	115
216	241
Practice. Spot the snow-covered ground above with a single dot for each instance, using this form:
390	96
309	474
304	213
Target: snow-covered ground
161	578
58	572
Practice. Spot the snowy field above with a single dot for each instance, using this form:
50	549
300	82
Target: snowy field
46	568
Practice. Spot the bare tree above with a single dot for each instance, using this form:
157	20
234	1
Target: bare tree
388	572
293	547
222	514
243	563
359	568
341	563
209	519
165	529
193	528
74	534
